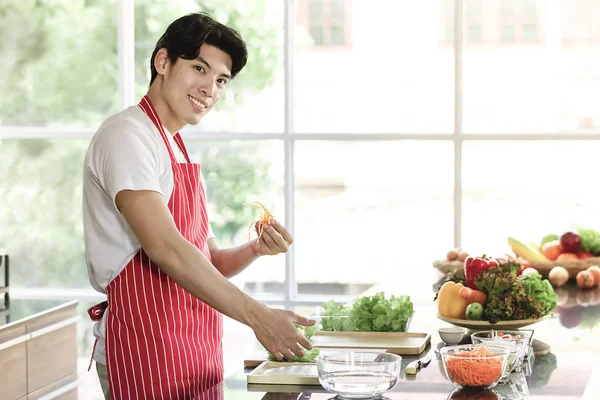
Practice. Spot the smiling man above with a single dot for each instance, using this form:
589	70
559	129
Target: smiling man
148	241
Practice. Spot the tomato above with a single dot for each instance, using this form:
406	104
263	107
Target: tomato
585	279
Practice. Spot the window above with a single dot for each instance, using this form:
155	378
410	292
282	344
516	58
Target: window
367	211
327	22
62	74
380	85
497	22
257	90
580	23
328	159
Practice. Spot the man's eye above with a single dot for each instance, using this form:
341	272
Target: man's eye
222	81
199	68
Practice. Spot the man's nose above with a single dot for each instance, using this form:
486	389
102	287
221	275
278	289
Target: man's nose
207	89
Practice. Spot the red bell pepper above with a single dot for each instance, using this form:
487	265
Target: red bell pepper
474	266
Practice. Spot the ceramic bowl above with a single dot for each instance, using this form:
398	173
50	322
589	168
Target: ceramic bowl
452	335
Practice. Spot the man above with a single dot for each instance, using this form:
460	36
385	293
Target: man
148	241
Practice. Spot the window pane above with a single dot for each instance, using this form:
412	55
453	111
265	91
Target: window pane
62	73
530	32
337	8
374	213
474	33
373	86
41	219
531	87
507	33
580	23
316	32
257	90
40	212
238	172
473	8
315	9
527	190
337	35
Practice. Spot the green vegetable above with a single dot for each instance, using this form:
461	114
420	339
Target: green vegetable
474	311
548	238
541	290
590	240
309	356
369	314
309	331
506	297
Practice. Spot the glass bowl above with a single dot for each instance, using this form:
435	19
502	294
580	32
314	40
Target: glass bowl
474	366
513	339
358	374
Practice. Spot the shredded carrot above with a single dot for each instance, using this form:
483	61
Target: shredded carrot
265	218
470	368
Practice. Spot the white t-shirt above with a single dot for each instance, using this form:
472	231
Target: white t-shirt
127	152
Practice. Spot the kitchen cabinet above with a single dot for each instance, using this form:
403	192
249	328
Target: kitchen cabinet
38	353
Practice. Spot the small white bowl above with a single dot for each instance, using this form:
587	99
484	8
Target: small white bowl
452	335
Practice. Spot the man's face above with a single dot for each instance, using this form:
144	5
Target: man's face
193	87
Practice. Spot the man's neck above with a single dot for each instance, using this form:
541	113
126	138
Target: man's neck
166	115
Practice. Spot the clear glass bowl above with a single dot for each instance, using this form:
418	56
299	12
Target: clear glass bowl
470	366
513	339
357	374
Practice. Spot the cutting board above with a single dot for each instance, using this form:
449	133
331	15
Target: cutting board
278	373
402	343
260	356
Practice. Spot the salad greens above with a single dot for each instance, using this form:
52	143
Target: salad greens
507	297
375	313
590	240
310	355
541	290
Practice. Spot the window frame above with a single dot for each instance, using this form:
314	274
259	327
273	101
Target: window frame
289	298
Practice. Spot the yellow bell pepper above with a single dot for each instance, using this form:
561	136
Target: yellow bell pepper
450	303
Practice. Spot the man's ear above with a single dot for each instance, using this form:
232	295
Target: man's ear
161	61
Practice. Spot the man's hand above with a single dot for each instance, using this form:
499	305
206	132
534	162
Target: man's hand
276	331
275	239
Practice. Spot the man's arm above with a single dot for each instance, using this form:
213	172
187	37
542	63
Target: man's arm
230	262
153	225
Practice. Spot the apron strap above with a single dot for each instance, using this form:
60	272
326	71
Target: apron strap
96	312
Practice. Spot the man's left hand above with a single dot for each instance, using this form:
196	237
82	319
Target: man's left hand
275	239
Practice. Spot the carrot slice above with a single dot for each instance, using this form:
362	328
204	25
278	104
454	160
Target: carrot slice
265	218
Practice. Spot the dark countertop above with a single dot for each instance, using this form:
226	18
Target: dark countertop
566	345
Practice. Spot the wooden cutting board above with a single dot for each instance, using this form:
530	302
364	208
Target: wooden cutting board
402	343
278	373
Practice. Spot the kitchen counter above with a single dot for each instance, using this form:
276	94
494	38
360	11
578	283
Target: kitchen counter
38	349
566	345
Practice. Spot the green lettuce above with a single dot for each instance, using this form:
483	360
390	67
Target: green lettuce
507	298
375	313
541	290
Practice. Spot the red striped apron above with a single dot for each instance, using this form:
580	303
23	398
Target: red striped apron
162	342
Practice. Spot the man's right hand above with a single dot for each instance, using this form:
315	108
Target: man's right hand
276	331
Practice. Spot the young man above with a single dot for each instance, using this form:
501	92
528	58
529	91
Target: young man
148	241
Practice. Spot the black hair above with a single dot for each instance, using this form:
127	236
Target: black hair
185	35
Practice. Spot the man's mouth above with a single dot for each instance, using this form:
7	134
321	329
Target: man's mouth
200	104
